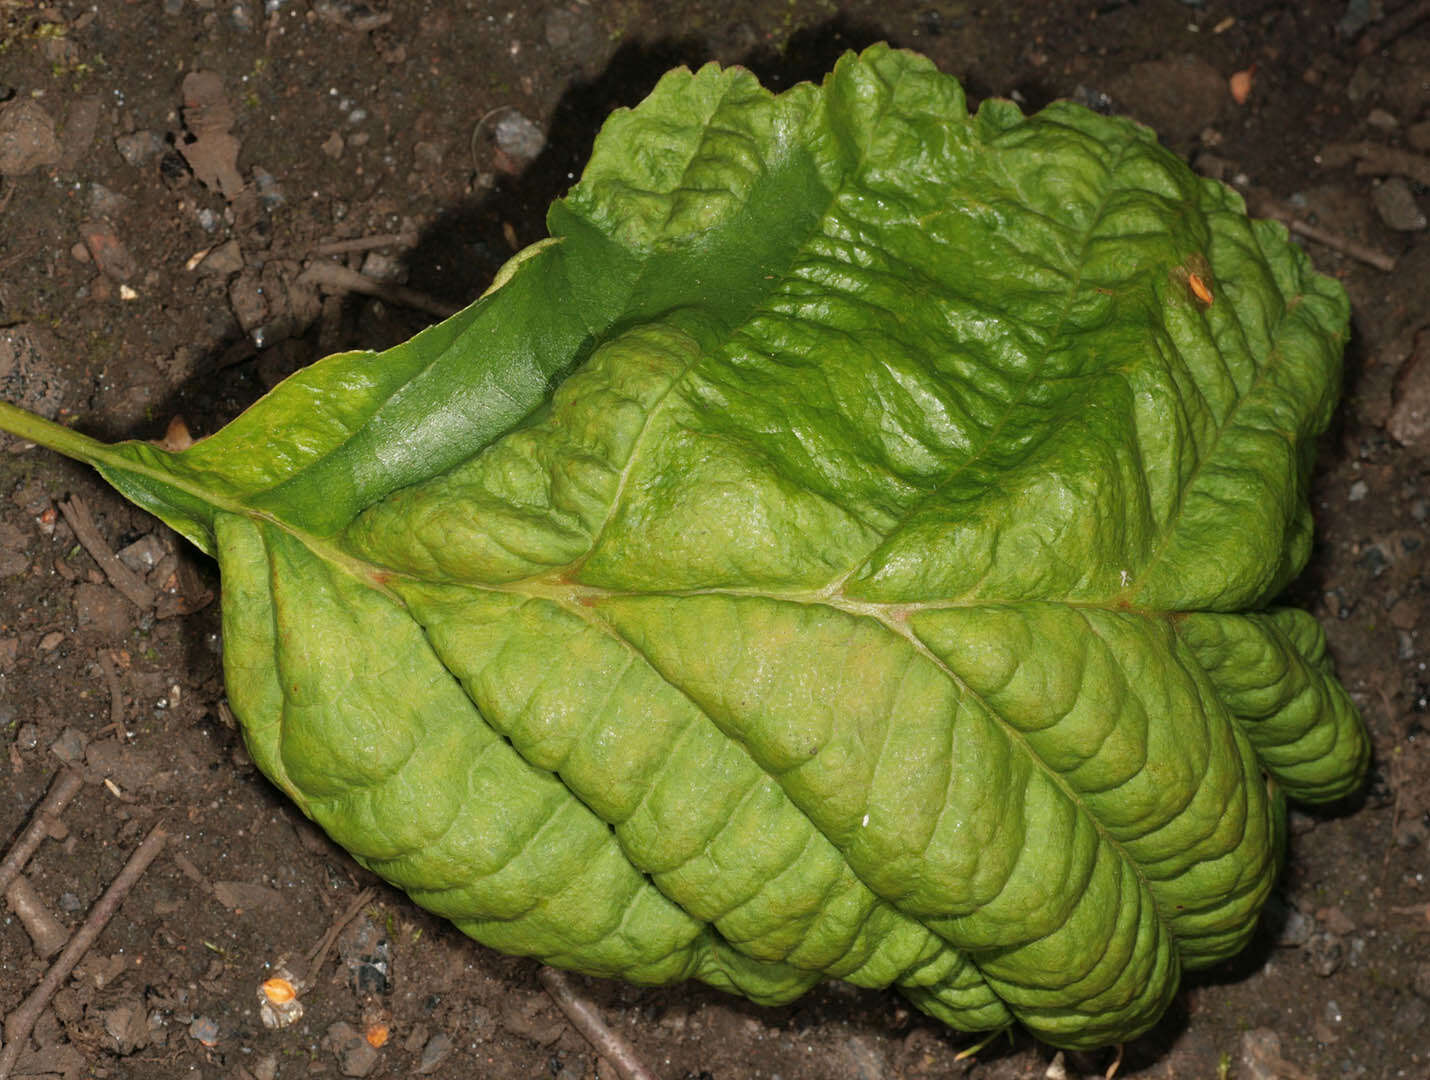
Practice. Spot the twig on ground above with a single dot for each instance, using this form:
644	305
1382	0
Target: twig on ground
335	277
1265	206
47	933
116	692
21	1022
1423	910
63	788
1392	27
120	576
1344	244
1375	159
585	1019
365	243
319	952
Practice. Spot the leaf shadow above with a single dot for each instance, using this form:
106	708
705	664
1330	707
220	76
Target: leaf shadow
459	252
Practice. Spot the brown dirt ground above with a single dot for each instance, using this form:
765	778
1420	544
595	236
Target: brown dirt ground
379	120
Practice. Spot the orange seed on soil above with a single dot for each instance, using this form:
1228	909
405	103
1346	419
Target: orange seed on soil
279	990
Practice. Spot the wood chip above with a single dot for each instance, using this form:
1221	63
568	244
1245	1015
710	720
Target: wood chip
120	576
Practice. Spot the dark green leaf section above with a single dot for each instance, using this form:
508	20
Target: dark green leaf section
839	551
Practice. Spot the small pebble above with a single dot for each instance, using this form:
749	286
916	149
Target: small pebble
69	747
1380	118
204	1031
1396	205
1324	952
139	147
1289	927
105	202
385	268
434	1053
27	137
518	137
356	1056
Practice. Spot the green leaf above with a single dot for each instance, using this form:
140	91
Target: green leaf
843	549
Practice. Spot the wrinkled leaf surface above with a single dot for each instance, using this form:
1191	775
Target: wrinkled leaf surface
843	550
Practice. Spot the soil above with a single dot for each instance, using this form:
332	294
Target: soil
153	226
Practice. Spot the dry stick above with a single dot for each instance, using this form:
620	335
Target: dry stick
338	278
1344	244
47	934
119	575
21	1022
116	692
1392	27
319	952
1388	161
63	788
585	1019
1265	206
1377	159
365	243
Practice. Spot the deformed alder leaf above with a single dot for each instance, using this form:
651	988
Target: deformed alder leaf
845	548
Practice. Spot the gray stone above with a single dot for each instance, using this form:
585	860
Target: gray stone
139	147
518	137
434	1053
1396	205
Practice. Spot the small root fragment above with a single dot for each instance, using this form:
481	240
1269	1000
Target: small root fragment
47	933
587	1020
334	277
120	576
63	788
319	952
21	1022
969	1051
1116	1064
